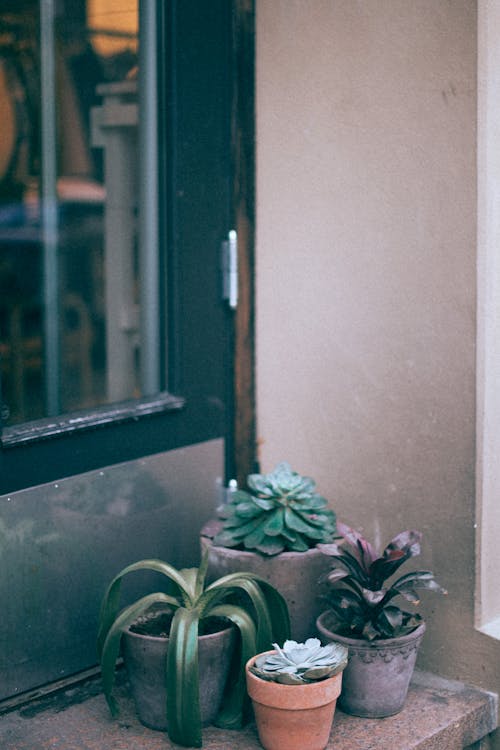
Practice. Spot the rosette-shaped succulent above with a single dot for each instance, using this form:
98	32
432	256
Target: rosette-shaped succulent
281	511
300	663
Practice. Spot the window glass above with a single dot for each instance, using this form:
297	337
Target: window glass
69	298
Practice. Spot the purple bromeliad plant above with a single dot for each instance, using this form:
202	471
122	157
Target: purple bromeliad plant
361	601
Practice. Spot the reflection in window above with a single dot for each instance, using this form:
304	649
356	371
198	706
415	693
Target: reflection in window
68	108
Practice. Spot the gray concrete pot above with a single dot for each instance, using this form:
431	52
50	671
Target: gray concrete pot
294	574
376	680
145	658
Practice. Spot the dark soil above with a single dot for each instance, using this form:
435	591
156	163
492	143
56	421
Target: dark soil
157	624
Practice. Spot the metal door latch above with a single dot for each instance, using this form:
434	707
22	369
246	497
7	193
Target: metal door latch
230	269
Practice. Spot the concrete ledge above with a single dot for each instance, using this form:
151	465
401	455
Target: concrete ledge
439	715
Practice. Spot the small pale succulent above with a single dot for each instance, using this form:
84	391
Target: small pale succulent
301	663
281	512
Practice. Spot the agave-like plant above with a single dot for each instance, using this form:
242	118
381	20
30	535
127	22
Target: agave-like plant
360	602
281	511
301	663
258	611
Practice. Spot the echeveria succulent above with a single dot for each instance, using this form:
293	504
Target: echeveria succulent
360	603
281	511
300	663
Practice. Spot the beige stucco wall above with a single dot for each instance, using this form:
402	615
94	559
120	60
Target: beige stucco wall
366	263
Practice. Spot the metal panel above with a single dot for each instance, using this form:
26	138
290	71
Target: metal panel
61	543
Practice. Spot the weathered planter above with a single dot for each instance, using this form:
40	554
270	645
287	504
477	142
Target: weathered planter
293	717
378	673
294	574
145	659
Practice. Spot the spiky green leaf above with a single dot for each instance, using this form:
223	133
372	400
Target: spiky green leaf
183	704
110	647
235	703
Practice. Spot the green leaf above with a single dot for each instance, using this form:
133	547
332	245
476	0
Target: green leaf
274	524
239	529
183	703
264	503
235	702
247	510
201	576
240	496
110	648
308	504
190	577
227	538
111	600
294	521
299	545
271	545
254	538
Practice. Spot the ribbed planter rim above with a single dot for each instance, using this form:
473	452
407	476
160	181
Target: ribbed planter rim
362	642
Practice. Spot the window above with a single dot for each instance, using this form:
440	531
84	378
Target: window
115	199
73	232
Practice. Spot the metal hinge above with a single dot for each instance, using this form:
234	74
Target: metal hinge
230	269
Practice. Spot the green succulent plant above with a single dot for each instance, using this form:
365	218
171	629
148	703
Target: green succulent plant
280	512
360	604
256	609
301	663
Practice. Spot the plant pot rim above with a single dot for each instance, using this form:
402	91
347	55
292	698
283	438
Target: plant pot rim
156	638
234	552
275	694
363	642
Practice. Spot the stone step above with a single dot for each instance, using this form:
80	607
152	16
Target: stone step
439	714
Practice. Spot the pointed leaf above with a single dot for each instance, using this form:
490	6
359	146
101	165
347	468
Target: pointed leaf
183	704
360	547
373	597
111	600
110	648
201	576
270	608
235	703
389	621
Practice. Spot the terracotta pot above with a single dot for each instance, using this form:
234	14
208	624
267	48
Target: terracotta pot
145	659
378	673
294	574
293	717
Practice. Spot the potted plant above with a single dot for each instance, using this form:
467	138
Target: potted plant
382	638
294	690
173	664
272	530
